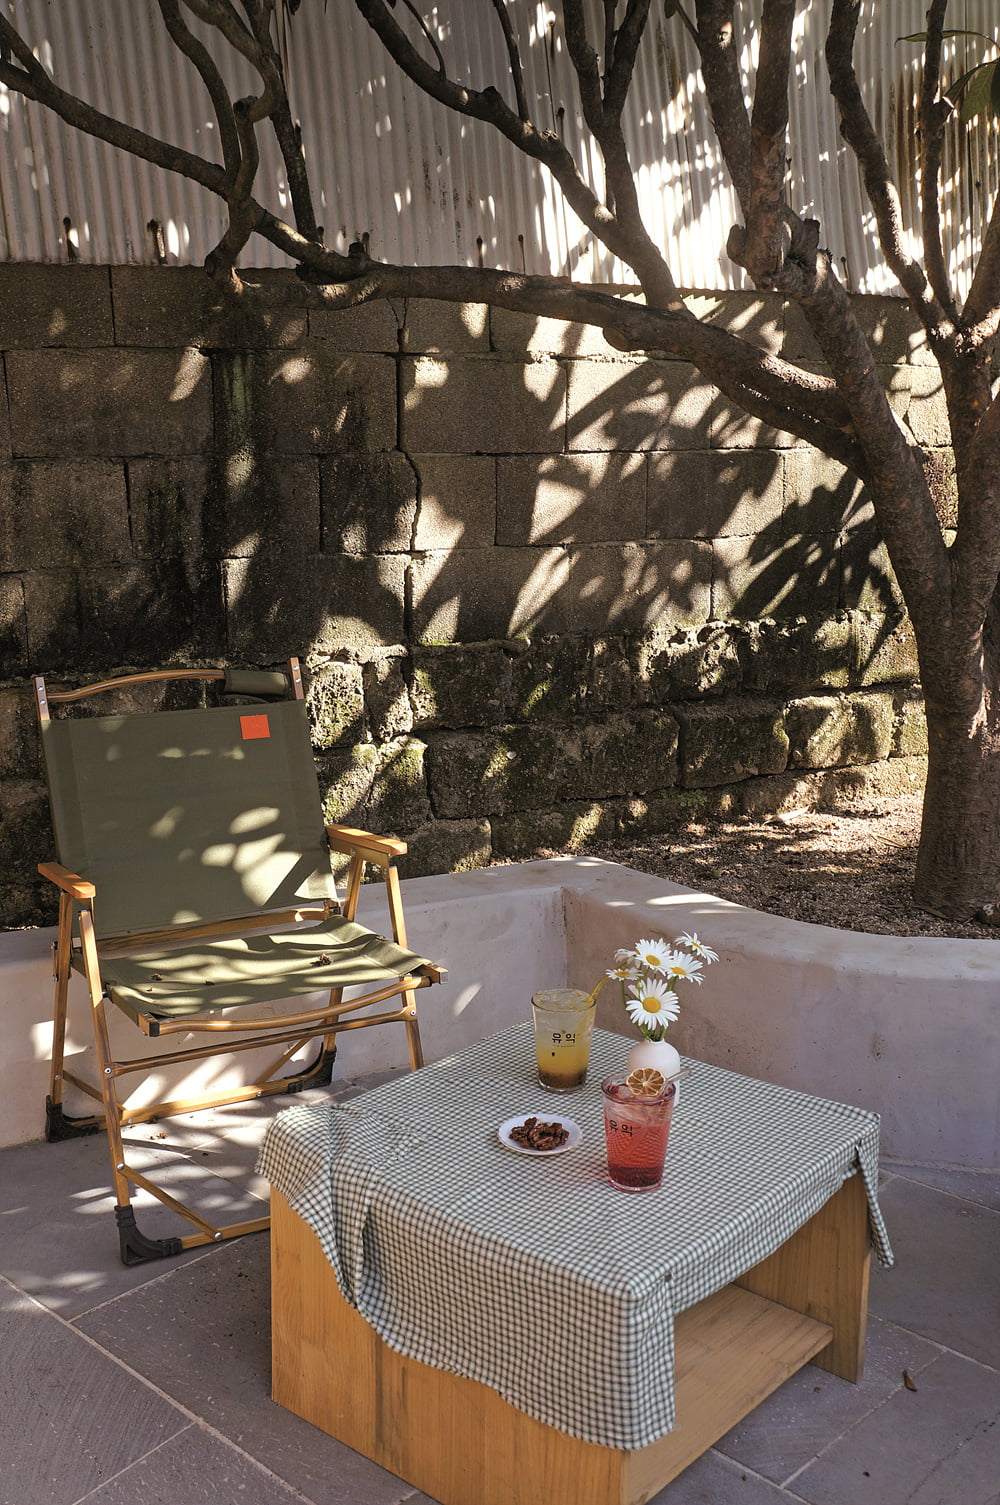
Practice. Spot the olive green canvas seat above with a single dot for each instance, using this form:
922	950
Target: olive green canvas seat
197	892
178	984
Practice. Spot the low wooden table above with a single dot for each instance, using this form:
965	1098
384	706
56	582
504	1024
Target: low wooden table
457	1439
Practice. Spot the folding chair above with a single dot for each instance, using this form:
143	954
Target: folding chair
196	882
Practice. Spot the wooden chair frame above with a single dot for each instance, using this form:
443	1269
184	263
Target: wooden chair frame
77	942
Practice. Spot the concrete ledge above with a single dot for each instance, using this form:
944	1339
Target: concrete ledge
906	1026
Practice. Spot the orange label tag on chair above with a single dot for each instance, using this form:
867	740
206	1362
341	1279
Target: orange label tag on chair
254	726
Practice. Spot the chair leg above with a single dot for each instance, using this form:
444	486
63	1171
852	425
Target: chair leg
135	1248
318	1073
58	1124
409	999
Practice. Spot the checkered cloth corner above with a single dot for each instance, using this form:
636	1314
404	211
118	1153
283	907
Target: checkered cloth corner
535	1276
328	1162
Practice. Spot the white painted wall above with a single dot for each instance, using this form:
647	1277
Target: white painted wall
907	1027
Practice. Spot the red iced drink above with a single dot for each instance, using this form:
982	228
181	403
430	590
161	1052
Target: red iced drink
637	1130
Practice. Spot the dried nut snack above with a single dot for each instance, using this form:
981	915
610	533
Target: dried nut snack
533	1134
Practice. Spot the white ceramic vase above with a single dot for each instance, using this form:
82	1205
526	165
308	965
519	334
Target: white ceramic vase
655	1055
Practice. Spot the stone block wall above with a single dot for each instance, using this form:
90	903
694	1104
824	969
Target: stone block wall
546	592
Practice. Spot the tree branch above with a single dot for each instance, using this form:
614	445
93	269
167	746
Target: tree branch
858	131
513	58
983	303
768	237
35	83
724	87
800	402
543	146
934	113
199	55
602	113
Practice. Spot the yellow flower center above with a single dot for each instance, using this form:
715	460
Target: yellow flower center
651	1003
652	959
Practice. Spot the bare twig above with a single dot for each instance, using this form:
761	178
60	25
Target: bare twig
883	195
934	113
513	58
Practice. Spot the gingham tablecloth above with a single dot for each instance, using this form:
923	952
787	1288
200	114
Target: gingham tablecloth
533	1275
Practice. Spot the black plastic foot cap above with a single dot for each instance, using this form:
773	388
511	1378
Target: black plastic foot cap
58	1125
136	1248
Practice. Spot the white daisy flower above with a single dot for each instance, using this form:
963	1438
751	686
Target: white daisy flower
684	968
652	1005
622	974
653	955
698	947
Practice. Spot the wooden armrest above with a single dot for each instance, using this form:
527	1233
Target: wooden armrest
70	883
347	839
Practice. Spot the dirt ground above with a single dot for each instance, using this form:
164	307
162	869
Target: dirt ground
851	870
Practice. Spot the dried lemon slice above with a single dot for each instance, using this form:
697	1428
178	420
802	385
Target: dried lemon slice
646	1082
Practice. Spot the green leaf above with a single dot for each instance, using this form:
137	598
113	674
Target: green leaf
978	95
921	36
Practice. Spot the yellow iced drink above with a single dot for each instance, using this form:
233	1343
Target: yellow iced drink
564	1023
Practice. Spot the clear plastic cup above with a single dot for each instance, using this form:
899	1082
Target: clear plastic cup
637	1130
564	1023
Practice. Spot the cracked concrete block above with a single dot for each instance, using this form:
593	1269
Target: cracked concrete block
637	405
463	405
457	507
54	307
63	512
716	494
368	503
109	402
578	498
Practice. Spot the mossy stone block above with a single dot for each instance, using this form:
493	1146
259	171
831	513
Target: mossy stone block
446	846
461	685
336	704
725	743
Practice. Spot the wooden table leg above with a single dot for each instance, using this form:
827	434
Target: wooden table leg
823	1271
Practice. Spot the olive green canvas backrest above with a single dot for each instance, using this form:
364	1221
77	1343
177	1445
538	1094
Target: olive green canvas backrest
195	815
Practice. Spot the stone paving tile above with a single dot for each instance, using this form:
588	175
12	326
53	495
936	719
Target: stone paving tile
194	1468
56	1198
944	1284
202	1334
982	1187
62	1406
936	1445
60	1241
799	1420
714	1480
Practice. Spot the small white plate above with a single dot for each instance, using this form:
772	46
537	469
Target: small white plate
573	1130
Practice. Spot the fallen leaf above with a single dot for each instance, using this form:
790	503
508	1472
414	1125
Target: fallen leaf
908	1380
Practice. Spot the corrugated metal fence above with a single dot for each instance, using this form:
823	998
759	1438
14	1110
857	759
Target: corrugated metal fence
427	186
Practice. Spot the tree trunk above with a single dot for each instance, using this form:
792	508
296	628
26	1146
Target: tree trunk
958	862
